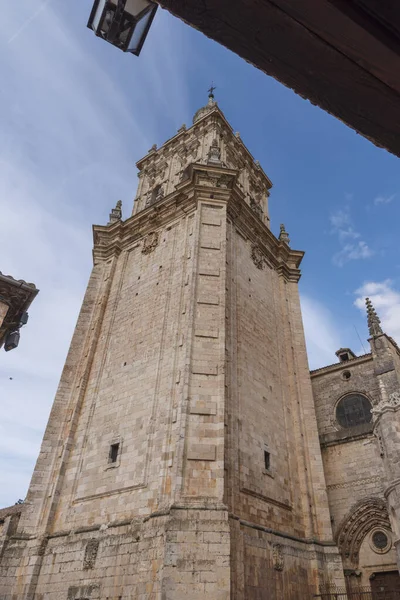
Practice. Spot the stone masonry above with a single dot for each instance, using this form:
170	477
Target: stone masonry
188	453
361	458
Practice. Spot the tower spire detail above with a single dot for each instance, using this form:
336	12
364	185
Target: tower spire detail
208	107
211	93
374	322
116	213
283	235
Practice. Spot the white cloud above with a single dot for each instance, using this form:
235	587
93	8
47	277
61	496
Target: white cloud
322	336
352	247
352	252
386	300
73	132
340	220
384	199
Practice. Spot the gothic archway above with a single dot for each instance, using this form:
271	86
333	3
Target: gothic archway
366	515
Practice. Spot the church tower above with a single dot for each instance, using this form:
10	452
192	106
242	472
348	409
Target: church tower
181	458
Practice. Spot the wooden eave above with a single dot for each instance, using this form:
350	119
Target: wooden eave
342	55
19	295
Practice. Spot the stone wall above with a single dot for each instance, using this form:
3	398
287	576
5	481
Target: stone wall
150	341
158	557
182	456
281	506
352	463
353	466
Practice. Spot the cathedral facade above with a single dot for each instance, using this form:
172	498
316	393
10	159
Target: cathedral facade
189	451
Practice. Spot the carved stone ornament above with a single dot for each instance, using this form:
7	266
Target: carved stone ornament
255	205
366	515
214	153
208	180
91	550
150	242
278	557
116	213
151	173
283	235
387	403
257	256
224	181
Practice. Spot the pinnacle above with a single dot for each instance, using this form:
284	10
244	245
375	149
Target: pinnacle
116	213
283	235
374	322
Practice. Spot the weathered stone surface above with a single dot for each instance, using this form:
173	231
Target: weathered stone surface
182	456
358	460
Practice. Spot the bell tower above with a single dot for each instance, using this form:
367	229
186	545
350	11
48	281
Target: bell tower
181	458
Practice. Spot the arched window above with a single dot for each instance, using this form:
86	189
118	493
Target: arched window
353	410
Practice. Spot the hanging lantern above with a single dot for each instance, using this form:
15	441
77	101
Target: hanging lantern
12	341
123	23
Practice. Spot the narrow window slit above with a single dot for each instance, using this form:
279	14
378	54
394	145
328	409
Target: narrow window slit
114	449
267	460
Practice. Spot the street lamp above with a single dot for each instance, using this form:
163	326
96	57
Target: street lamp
123	23
13	337
12	341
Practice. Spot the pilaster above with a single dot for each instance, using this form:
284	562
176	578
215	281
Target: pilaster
387	430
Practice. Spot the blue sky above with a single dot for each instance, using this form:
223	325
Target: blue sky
78	114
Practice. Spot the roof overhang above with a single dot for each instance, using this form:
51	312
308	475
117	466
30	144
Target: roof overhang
18	296
342	55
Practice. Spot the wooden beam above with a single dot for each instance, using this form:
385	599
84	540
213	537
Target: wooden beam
319	51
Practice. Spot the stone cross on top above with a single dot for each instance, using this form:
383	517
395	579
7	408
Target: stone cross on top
211	90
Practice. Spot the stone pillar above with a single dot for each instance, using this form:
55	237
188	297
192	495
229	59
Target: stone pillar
387	430
3	311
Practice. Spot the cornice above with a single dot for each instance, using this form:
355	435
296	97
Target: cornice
210	183
110	240
277	254
340	366
18	283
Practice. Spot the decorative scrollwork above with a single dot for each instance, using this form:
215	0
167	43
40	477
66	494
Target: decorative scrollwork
150	242
391	402
365	516
257	256
278	557
91	550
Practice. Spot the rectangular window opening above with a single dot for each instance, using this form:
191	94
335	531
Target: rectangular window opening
267	460
114	449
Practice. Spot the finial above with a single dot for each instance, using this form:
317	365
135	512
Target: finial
211	100
374	322
116	213
182	128
152	149
211	90
283	235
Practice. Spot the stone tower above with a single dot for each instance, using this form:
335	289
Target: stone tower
386	413
181	458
